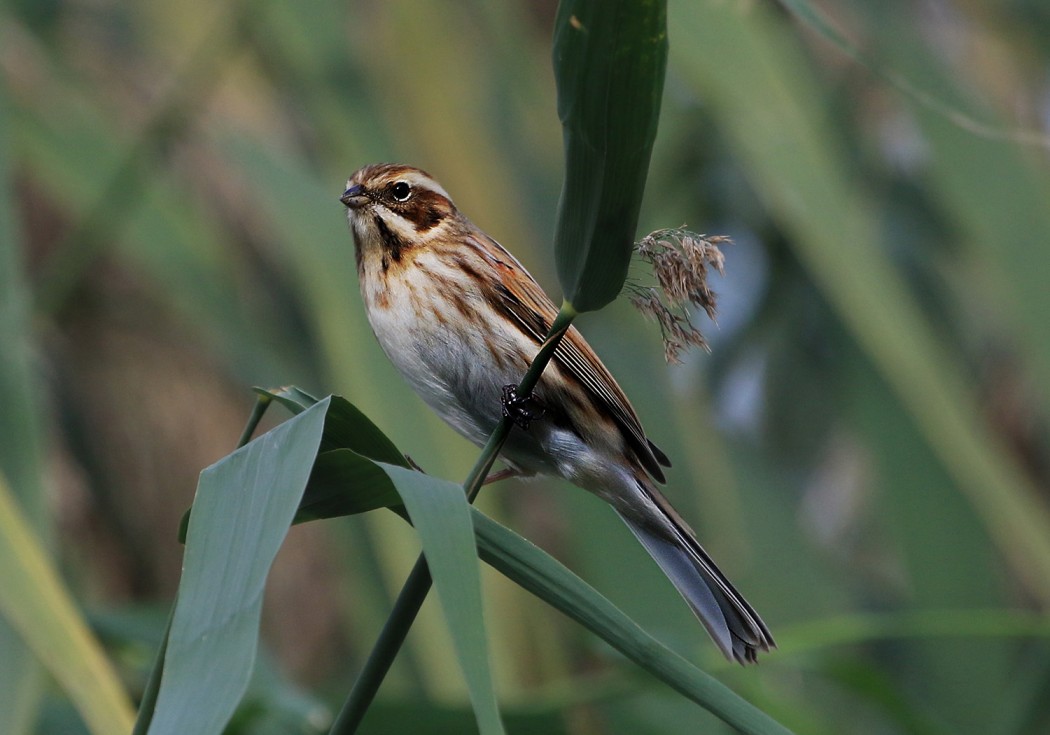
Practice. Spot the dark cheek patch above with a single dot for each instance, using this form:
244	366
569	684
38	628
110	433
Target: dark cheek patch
392	244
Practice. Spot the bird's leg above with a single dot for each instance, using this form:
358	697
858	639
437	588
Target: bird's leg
522	410
504	474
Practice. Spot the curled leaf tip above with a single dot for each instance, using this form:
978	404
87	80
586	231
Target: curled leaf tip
679	259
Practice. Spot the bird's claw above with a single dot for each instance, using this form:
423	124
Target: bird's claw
522	410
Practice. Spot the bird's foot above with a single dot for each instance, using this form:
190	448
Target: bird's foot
522	410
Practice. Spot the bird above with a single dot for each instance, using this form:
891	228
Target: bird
461	320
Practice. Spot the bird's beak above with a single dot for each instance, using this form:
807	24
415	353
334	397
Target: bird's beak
354	197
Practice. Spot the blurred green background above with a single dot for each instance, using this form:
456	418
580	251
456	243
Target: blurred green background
864	450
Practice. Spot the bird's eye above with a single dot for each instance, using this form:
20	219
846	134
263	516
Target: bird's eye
401	191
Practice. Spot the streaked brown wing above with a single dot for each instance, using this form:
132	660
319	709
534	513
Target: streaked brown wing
524	300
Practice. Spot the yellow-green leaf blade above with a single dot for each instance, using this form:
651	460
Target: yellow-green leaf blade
35	602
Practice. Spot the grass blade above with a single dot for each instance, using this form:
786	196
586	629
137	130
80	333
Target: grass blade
543	576
441	515
243	509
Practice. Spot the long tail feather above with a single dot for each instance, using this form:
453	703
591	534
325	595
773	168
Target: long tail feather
733	624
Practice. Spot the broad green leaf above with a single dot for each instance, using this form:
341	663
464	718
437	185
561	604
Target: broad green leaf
242	511
239	519
345	483
609	62
345	426
35	602
21	449
441	515
543	576
342	482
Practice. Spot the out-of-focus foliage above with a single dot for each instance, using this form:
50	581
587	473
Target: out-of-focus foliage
865	449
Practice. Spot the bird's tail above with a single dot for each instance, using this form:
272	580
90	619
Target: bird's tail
733	624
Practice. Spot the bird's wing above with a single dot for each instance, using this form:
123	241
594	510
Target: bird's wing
525	301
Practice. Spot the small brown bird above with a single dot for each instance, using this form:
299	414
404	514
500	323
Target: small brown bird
461	320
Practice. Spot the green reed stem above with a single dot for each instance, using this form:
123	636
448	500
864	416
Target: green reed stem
148	703
262	402
499	435
416	587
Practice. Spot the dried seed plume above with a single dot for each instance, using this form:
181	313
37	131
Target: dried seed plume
679	259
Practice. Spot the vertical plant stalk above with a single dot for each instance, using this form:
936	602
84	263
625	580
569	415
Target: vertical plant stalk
149	695
262	402
416	587
152	689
